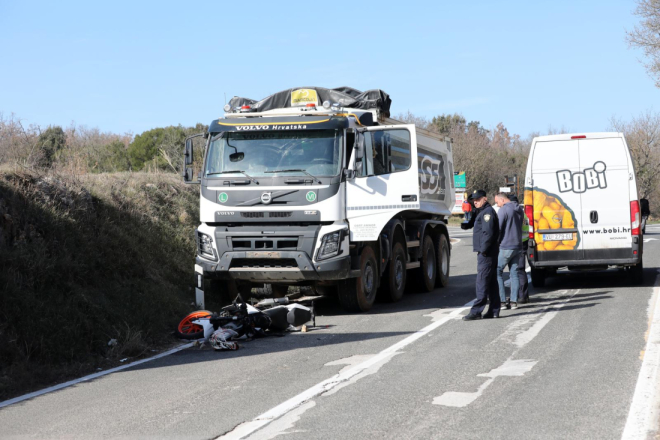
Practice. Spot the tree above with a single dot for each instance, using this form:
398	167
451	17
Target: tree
445	123
115	158
49	144
161	147
643	138
646	36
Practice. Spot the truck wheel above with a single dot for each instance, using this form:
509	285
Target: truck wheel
538	277
358	294
444	257
394	278
425	276
637	273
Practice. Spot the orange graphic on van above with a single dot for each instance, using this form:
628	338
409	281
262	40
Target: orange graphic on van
550	212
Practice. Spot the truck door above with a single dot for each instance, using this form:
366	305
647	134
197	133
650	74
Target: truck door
386	181
557	212
604	184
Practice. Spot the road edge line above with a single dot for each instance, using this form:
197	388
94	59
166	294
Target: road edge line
91	376
643	413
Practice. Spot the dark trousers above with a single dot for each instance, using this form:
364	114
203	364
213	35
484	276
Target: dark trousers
523	293
487	288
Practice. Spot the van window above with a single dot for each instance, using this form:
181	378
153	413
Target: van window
390	151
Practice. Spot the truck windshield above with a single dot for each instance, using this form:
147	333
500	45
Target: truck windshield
259	154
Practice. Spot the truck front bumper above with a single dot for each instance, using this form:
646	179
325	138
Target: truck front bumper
275	266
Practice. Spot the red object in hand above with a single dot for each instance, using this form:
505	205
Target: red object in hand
467	207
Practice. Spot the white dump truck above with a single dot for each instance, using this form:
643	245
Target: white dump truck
319	187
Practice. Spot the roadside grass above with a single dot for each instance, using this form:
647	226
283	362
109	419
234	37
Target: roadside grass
85	260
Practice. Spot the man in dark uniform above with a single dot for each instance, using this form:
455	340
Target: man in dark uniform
485	243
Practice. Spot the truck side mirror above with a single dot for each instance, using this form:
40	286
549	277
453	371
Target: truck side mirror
188	152
188	175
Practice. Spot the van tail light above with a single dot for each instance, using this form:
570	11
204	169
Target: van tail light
529	212
634	217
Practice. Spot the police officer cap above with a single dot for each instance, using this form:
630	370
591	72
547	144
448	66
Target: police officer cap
477	194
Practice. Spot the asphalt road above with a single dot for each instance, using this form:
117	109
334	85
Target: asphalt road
563	366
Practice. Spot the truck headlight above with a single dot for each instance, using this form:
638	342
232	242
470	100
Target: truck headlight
205	245
330	245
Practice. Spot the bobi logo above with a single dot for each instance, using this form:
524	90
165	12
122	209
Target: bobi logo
579	182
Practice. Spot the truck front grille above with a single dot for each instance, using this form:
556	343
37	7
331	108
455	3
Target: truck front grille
261	243
263	263
252	214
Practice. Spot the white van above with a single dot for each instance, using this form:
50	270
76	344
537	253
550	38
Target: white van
582	203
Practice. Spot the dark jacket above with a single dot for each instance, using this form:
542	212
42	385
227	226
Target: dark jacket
511	220
486	231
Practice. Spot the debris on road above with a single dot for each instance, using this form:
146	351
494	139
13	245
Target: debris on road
242	321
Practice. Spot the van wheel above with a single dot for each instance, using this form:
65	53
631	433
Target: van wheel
637	273
394	279
444	257
425	276
538	277
358	294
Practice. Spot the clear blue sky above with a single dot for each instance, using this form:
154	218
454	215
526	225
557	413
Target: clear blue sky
132	66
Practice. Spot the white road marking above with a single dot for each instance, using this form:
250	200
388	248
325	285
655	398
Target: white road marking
282	425
510	367
642	419
91	376
646	240
248	428
460	400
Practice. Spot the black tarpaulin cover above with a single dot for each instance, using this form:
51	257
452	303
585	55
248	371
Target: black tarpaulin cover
299	96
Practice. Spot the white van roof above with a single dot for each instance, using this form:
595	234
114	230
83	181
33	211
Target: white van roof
569	136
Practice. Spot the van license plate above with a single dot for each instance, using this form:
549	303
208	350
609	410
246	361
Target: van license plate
557	237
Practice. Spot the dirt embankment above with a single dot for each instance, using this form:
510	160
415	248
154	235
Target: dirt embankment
87	260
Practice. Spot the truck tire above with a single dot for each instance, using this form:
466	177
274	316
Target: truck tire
425	276
394	278
358	294
637	273
444	257
538	277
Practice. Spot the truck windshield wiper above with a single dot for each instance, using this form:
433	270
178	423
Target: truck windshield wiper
234	171
295	171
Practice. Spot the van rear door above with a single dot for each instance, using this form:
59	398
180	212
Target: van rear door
557	213
604	186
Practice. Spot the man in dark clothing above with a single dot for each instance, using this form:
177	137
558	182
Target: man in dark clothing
523	293
510	239
485	244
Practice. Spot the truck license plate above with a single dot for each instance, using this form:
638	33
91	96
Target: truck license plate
557	237
263	255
